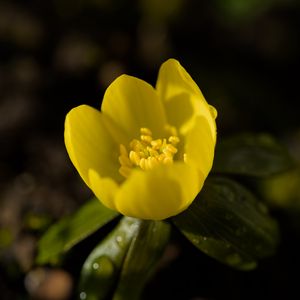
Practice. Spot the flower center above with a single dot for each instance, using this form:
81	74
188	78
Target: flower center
147	152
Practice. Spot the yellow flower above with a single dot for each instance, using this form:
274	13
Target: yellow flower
148	152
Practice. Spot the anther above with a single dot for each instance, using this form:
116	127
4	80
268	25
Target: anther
123	150
156	143
152	162
145	131
142	163
146	153
171	149
124	161
125	171
173	140
133	144
146	138
134	158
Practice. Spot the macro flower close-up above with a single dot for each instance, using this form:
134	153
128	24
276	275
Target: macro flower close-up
149	149
147	153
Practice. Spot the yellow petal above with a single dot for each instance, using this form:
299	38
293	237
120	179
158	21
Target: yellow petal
132	103
200	145
89	144
104	189
182	98
159	193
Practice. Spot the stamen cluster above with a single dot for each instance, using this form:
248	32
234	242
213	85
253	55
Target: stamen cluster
147	153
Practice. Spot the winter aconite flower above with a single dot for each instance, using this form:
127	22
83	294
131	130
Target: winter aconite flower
148	151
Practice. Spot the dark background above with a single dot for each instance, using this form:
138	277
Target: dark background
55	55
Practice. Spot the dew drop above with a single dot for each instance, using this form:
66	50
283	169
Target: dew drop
120	240
82	295
103	266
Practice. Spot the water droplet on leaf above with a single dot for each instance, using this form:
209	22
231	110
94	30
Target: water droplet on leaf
119	239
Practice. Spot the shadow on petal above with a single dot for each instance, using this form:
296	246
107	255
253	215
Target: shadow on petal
200	145
179	109
104	189
159	193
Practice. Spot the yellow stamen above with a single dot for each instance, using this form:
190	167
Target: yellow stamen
134	158
146	138
125	171
173	139
147	153
146	131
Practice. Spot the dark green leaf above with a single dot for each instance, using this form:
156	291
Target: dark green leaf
65	234
129	254
102	267
144	252
281	190
254	155
228	223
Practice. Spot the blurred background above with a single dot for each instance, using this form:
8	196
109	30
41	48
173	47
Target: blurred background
55	55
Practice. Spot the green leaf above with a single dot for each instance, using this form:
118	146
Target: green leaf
229	224
124	260
255	155
102	267
63	235
281	190
144	252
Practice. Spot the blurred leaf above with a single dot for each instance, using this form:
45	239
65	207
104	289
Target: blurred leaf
282	190
237	10
254	155
36	222
6	238
144	252
101	268
227	223
129	254
161	11
65	234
